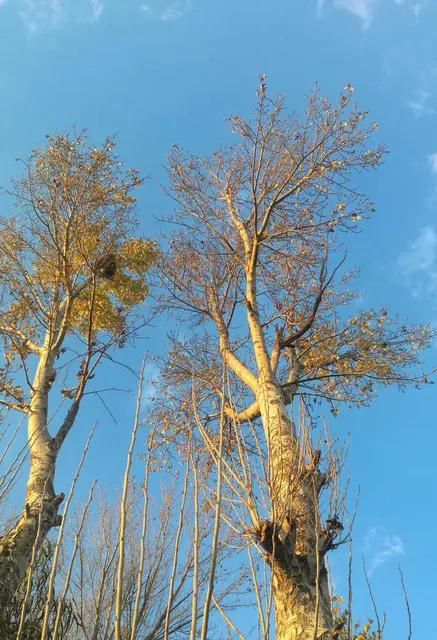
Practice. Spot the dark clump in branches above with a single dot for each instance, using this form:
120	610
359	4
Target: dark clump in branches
106	266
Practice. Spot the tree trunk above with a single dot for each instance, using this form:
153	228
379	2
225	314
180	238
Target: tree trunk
298	613
294	539
41	504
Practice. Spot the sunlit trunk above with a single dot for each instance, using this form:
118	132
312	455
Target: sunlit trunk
295	601
41	504
292	539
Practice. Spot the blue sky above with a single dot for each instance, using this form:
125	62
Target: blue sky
159	73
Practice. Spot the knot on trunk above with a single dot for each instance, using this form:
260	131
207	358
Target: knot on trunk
278	540
331	534
46	510
59	498
311	471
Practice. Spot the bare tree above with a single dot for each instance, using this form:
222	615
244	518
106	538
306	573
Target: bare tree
126	567
71	276
155	591
255	269
78	598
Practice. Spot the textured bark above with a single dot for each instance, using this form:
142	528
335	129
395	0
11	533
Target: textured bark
16	546
294	596
293	539
294	542
41	503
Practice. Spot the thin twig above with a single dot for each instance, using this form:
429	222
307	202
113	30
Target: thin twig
59	539
372	597
122	529
142	539
349	596
194	597
210	588
227	619
71	563
175	555
407	604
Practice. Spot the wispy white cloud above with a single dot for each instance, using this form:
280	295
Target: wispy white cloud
320	5
166	12
365	10
432	161
40	16
362	9
173	12
96	10
416	6
421	253
420	104
381	547
432	164
424	99
418	263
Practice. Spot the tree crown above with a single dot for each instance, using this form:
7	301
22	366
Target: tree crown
256	258
70	261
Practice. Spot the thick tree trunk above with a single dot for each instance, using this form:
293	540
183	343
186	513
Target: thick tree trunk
298	614
41	504
294	540
16	546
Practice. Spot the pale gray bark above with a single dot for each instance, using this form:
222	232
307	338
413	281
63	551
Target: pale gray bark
41	502
295	549
292	539
75	221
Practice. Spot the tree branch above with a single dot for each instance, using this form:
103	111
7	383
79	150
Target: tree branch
291	339
228	355
21	334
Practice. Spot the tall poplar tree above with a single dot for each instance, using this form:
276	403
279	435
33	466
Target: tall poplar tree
72	274
255	267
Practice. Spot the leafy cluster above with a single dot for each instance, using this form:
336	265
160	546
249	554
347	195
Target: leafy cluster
76	211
